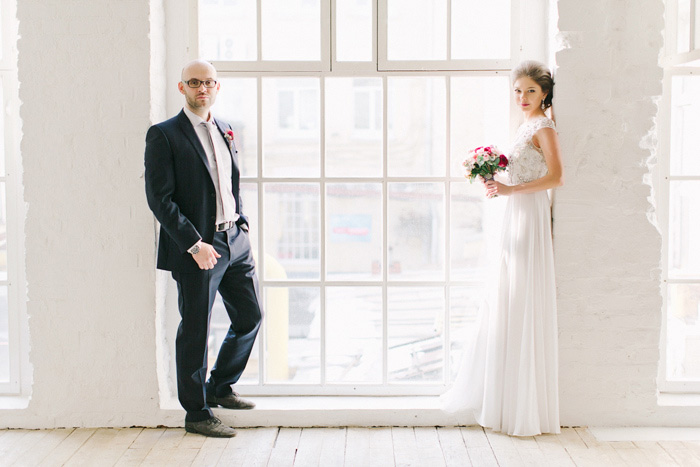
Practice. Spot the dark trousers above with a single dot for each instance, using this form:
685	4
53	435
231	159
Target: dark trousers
234	278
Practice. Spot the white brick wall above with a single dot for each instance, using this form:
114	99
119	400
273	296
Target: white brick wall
84	73
607	252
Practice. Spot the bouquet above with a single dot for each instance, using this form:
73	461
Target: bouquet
484	162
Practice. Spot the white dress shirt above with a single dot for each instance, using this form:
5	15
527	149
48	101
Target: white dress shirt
227	211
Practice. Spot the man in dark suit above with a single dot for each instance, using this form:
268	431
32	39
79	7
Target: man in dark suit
192	187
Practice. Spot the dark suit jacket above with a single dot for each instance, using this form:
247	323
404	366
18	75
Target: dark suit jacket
180	190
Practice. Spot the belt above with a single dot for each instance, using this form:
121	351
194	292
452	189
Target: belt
225	226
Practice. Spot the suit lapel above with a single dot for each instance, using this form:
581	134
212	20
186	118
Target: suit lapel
222	129
235	172
191	135
231	148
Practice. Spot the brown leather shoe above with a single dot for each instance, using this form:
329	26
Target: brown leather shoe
210	427
231	401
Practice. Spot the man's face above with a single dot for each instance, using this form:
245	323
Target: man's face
201	98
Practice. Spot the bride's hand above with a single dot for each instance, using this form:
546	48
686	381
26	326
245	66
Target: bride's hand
494	188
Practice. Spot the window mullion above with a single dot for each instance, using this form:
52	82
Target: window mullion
258	17
322	220
385	234
692	45
260	266
448	222
448	30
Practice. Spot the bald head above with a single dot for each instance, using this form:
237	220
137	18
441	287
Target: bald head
198	67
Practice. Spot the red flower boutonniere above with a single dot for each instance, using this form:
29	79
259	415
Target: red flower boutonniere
229	136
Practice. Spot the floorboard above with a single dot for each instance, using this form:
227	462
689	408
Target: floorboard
453	448
350	447
285	449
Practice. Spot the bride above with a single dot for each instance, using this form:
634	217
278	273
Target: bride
508	375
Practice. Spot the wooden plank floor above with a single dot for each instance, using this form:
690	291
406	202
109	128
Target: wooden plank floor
399	446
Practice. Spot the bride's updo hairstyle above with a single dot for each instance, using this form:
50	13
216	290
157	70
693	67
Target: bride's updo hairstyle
538	73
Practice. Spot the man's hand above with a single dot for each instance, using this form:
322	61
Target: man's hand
206	257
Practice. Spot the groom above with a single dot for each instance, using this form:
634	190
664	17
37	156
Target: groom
192	187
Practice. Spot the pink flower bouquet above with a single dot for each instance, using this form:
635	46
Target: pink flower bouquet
484	162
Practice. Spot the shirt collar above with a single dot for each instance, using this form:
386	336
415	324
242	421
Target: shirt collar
196	119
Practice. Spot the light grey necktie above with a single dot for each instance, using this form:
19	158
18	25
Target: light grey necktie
219	169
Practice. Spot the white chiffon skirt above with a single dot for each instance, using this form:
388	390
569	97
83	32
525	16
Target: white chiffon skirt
508	373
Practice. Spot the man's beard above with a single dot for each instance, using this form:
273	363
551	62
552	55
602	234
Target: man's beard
197	104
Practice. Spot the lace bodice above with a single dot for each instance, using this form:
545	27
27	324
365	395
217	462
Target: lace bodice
526	162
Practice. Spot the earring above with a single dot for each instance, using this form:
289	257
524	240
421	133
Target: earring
542	104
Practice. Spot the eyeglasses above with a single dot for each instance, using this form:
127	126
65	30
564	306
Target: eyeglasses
195	83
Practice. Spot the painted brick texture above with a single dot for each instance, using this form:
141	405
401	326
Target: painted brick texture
84	74
607	252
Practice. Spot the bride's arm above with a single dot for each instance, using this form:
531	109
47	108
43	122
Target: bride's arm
548	141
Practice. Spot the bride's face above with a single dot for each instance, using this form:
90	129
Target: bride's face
528	94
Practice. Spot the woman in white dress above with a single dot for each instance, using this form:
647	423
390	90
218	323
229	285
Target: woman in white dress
508	375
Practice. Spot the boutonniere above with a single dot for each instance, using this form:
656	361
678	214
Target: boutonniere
229	136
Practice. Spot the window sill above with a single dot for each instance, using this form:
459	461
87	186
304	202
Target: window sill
307	411
9	402
669	399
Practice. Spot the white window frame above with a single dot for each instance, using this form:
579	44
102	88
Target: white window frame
664	180
675	64
670	56
265	65
449	64
522	47
12	179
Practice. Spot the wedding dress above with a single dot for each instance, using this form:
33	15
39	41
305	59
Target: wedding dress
508	374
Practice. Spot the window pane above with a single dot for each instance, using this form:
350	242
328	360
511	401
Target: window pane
292	231
2	127
464	311
683	25
4	336
3	233
480	112
354	127
292	325
685	121
696	46
291	30
237	103
354	334
480	30
354	231
416	30
353	20
291	130
683	332
684	229
228	30
474	231
415	318
416	231
416	131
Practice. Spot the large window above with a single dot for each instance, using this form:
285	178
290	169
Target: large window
679	194
352	118
10	238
